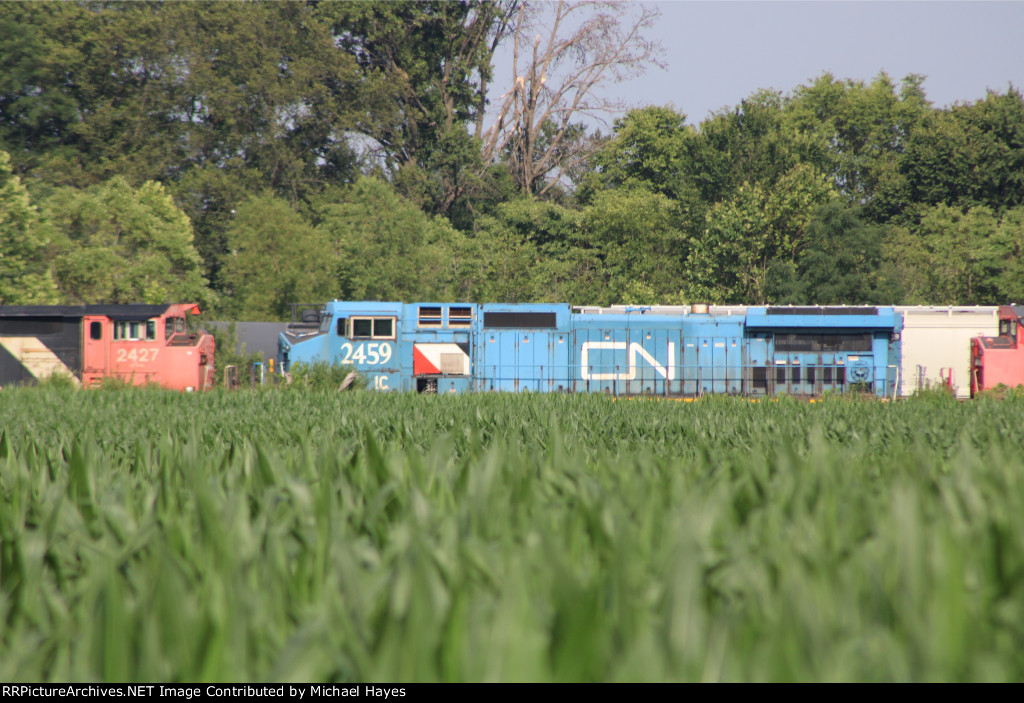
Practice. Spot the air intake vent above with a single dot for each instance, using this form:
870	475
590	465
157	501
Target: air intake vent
429	317
519	320
460	317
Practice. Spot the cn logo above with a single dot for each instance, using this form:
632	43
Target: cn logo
635	349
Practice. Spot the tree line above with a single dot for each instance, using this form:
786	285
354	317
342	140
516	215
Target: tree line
250	155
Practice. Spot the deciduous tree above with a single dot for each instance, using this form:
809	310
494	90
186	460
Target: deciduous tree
839	263
857	133
26	239
954	257
275	257
125	245
649	149
968	155
745	235
642	249
385	248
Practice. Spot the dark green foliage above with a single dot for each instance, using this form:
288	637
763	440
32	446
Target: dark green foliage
839	263
858	134
275	257
648	150
952	256
971	154
435	62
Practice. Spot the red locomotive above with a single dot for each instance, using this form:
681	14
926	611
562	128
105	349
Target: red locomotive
138	344
1000	360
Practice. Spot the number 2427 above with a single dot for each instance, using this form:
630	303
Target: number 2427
142	356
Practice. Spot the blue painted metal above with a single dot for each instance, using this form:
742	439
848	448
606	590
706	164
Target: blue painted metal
457	347
527	358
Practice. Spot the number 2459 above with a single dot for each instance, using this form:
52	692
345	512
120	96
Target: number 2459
368	353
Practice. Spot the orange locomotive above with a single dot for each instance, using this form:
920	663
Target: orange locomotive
135	343
1000	360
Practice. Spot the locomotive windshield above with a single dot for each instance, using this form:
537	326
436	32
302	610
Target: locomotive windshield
173	325
1008	328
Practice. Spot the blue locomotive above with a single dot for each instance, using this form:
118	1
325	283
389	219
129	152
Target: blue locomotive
659	350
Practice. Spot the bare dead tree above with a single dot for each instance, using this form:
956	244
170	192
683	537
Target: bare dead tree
495	19
577	47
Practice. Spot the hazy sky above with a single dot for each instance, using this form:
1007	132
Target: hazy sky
720	52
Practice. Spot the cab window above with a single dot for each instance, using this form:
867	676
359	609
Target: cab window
134	330
373	327
362	327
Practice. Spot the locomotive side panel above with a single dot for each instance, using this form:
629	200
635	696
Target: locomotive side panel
367	336
600	354
148	346
656	365
713	354
523	347
137	352
626	354
438	340
38	345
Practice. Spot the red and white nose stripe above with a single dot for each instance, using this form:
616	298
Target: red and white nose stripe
447	359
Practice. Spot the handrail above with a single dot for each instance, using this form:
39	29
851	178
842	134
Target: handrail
691	378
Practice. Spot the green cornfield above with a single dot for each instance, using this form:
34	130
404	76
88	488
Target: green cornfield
289	537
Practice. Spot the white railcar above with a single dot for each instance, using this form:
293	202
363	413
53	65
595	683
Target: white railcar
936	343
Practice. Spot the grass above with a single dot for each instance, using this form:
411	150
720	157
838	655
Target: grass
155	536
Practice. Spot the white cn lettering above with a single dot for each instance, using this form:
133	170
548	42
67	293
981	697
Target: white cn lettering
635	349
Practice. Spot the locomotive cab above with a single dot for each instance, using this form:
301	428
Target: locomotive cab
999	360
147	344
362	335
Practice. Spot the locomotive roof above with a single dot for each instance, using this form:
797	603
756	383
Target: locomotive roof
132	311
